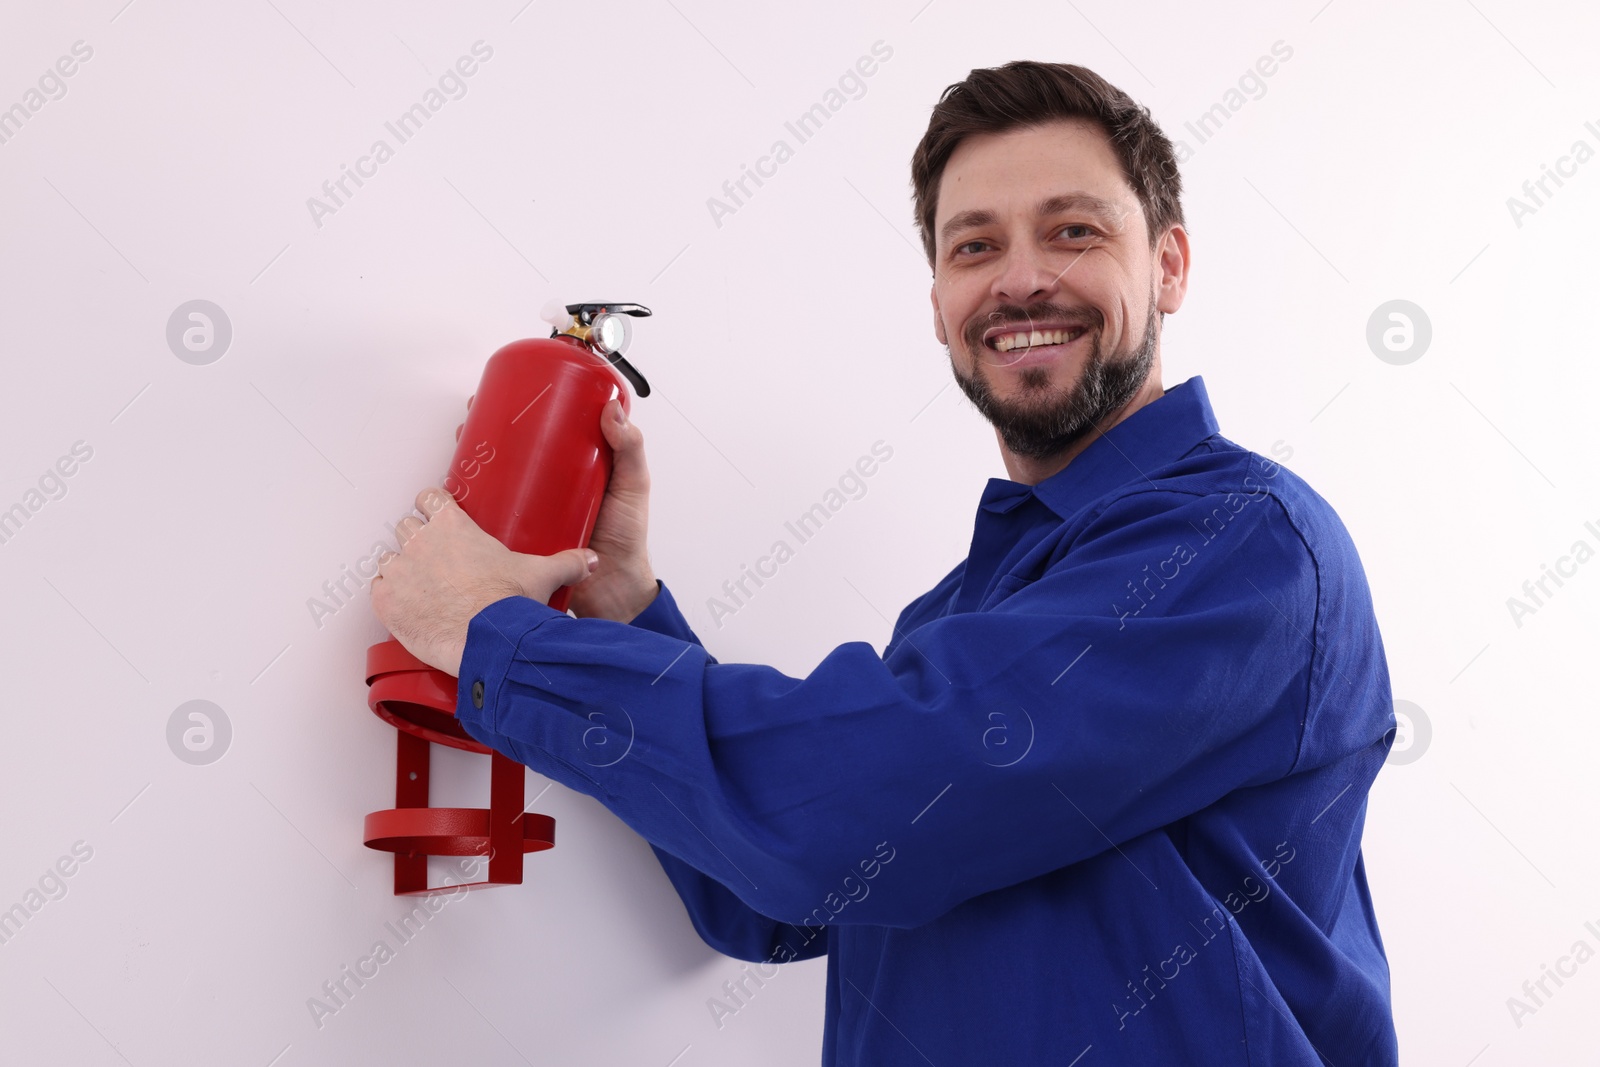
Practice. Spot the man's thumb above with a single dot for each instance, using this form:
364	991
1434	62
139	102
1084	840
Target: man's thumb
579	562
558	569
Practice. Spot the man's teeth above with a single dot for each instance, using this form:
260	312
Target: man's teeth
1030	339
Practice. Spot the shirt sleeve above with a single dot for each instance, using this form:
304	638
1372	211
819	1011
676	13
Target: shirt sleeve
722	920
1162	661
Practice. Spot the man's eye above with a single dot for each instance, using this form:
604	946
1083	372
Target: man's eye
1076	226
969	244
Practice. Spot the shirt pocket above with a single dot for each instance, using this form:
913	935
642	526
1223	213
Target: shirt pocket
1007	585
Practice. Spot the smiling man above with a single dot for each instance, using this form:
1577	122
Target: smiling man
1100	800
1048	360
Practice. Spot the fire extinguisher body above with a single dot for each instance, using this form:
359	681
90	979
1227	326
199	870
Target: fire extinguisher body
532	464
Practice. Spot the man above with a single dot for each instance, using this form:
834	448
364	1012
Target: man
1100	800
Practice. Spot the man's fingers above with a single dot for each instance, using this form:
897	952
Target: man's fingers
406	529
433	500
628	470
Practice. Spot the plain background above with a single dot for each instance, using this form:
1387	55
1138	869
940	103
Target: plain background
1374	164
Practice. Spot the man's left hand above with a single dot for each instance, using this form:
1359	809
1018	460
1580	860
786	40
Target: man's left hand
448	570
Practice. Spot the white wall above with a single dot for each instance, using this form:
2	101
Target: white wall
1375	166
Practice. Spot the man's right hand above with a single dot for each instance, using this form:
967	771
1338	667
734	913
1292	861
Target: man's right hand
623	584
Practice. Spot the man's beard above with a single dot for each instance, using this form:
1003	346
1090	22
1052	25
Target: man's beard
1043	426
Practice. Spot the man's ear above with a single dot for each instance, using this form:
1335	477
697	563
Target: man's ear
938	319
1172	266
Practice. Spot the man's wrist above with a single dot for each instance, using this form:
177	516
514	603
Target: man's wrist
648	591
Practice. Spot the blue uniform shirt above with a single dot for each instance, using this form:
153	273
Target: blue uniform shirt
1098	802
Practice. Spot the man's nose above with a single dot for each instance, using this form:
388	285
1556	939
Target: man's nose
1027	276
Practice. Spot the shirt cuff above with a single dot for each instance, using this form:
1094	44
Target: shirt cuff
493	637
662	616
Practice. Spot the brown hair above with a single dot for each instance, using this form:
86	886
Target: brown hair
1024	93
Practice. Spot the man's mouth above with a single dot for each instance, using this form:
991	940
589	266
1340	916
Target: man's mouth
1005	339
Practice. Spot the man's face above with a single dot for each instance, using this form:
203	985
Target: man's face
1037	230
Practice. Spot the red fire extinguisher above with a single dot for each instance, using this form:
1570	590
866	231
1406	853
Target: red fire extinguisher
530	468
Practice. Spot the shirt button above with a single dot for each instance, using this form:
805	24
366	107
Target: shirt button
477	694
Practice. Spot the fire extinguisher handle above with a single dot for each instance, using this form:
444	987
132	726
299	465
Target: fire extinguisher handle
585	313
630	372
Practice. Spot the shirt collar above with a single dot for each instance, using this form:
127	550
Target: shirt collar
1155	435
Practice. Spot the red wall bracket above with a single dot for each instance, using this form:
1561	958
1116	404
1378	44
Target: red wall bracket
420	702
